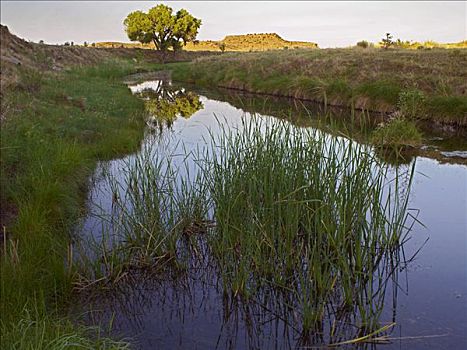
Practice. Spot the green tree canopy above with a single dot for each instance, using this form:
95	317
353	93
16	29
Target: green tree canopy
160	26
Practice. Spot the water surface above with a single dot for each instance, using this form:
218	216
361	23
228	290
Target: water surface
189	311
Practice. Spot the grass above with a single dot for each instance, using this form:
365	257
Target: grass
289	217
56	128
307	215
397	133
36	332
371	79
300	202
154	211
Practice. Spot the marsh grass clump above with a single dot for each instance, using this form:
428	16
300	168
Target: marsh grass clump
154	213
306	215
288	216
397	133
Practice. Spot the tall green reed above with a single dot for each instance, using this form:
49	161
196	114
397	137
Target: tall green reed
154	212
316	220
307	214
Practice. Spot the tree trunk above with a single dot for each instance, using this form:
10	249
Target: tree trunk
160	48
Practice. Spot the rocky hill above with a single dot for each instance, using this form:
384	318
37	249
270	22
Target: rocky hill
246	42
260	42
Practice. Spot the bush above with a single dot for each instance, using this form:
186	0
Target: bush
398	132
402	44
411	103
364	44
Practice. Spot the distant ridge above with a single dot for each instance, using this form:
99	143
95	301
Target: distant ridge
243	42
262	41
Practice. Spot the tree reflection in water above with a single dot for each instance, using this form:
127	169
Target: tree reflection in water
165	103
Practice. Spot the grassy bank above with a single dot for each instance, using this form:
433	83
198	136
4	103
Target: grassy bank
430	84
55	130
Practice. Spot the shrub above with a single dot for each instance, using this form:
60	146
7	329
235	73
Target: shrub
364	44
411	103
402	44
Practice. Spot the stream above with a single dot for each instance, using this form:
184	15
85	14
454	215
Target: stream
428	302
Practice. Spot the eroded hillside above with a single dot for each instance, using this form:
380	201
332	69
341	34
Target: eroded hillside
245	42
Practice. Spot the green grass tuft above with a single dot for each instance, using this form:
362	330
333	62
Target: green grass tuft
398	133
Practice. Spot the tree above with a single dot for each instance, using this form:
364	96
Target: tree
387	42
222	47
160	26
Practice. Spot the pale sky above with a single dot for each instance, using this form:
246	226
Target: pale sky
330	24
